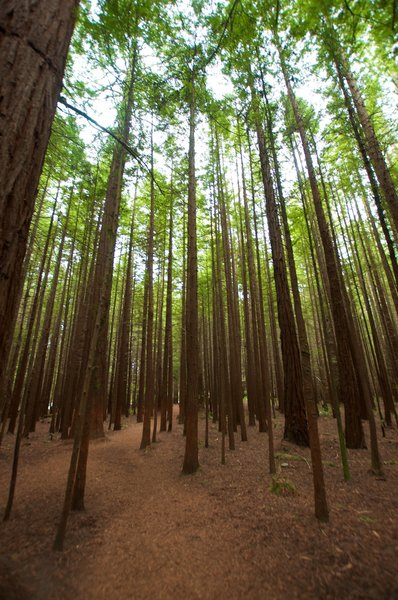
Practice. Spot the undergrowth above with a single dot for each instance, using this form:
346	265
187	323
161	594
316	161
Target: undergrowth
280	486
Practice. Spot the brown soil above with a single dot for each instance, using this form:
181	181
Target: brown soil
149	532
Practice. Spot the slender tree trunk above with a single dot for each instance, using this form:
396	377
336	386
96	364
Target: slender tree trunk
296	429
233	322
262	388
28	350
166	396
34	389
250	384
158	343
149	370
191	459
101	299
349	386
53	370
321	507
375	191
183	343
141	378
121	387
372	143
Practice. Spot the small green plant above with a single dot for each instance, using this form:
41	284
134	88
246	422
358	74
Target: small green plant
391	461
324	411
286	457
280	486
366	519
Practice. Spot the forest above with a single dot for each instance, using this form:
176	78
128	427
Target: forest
198	299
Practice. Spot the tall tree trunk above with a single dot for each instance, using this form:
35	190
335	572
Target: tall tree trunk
257	305
159	340
68	386
226	412
27	355
375	192
183	343
250	383
34	388
349	385
121	387
53	371
321	507
296	429
149	360
34	41
233	321
96	400
191	459
142	362
372	143
167	380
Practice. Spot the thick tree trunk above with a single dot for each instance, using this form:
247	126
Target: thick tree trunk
34	40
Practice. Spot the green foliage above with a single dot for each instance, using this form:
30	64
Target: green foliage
366	519
285	456
280	486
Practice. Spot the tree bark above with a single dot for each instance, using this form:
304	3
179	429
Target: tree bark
34	41
296	429
349	385
191	458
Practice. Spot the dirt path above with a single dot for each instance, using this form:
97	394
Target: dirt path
149	532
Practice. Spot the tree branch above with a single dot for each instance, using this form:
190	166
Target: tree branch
128	148
227	21
277	12
348	7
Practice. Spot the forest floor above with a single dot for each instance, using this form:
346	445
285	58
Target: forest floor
149	532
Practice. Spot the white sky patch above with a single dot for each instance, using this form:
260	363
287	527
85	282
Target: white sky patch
219	84
101	108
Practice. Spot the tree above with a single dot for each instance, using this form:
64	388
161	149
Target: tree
191	460
34	42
